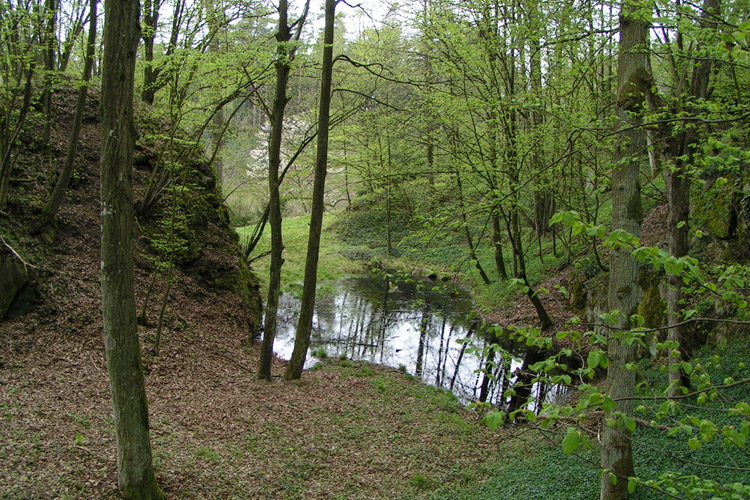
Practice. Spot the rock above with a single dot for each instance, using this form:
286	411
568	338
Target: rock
13	278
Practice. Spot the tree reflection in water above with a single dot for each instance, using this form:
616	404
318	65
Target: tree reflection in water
416	325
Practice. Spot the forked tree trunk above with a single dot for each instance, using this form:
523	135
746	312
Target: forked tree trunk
135	473
307	306
623	293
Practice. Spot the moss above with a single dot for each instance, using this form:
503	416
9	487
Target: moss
652	307
578	295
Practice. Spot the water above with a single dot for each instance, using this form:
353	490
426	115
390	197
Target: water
426	328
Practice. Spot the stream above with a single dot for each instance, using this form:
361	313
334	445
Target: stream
415	325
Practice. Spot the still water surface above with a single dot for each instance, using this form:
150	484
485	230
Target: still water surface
416	325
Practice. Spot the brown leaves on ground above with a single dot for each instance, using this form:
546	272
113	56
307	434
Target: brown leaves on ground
344	431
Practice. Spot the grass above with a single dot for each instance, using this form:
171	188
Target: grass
363	232
335	259
533	466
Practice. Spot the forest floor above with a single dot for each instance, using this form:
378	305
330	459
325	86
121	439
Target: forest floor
345	430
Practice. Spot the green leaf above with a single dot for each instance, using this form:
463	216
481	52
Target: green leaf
694	443
632	483
608	404
494	420
593	359
630	424
571	441
613	478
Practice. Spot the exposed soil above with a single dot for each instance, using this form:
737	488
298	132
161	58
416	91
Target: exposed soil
217	432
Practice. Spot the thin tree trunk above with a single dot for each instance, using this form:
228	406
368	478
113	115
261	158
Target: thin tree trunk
135	473
58	193
624	293
9	139
50	39
304	326
467	232
274	161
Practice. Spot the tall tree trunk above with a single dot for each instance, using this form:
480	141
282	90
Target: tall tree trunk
58	193
623	293
274	161
502	274
514	233
677	180
307	305
135	473
467	232
50	43
9	133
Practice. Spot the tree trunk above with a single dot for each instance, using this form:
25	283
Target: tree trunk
50	42
497	243
8	138
467	232
304	326
58	193
274	205
624	293
677	179
135	473
150	74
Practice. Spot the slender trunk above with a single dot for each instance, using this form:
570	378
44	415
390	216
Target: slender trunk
497	243
678	201
274	161
50	40
135	473
514	232
388	244
9	139
623	293
58	193
467	232
304	326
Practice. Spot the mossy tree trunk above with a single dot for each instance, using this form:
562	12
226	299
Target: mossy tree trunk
135	473
307	306
623	292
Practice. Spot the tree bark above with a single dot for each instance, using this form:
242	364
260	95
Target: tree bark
304	326
623	292
677	180
58	193
150	74
502	274
50	43
274	205
135	473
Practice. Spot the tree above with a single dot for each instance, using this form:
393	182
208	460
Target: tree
135	473
307	305
285	54
633	84
19	45
58	193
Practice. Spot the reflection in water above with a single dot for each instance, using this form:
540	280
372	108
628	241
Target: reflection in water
418	326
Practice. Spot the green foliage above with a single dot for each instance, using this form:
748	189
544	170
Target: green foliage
333	263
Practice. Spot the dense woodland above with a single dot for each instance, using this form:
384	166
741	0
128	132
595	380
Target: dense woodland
497	143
